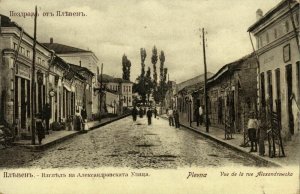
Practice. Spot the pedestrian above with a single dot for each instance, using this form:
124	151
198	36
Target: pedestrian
46	116
40	127
141	112
176	118
200	115
171	117
252	130
149	116
79	122
83	114
155	112
134	113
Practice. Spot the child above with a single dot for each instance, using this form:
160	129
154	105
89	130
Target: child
252	128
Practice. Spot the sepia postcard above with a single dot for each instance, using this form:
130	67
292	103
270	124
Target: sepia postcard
149	96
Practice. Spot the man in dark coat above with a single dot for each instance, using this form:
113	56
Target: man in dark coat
40	127
176	119
141	112
197	116
155	112
47	116
134	113
149	116
83	114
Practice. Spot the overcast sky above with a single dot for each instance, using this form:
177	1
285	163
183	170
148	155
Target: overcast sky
114	27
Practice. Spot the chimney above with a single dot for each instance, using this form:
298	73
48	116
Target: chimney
51	40
259	14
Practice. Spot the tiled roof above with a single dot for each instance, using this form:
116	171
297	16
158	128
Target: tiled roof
107	78
62	49
79	68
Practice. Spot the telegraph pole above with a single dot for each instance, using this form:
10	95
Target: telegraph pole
33	83
101	87
205	81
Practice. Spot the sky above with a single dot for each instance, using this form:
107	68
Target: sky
112	28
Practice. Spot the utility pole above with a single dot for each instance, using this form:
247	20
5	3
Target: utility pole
33	83
205	81
101	87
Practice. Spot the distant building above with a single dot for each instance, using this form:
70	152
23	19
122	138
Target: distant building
277	42
82	58
118	92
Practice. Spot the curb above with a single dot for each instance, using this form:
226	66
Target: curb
238	149
49	144
108	122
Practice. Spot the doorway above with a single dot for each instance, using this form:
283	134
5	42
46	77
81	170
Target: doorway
289	86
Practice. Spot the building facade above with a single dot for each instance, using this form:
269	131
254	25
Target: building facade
56	83
277	42
82	58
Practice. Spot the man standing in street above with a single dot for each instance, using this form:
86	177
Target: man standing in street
83	116
170	116
176	119
197	115
134	113
155	112
149	116
47	116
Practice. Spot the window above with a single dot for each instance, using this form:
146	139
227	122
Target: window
21	50
28	53
275	33
260	42
297	19
267	37
39	60
43	62
15	46
287	26
270	85
129	88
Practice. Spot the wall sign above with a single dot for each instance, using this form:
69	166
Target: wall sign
286	53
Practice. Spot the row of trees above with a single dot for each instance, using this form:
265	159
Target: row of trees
145	84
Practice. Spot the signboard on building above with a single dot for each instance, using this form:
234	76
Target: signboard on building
23	71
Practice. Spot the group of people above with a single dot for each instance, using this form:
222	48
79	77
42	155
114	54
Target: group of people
43	126
257	132
173	116
141	112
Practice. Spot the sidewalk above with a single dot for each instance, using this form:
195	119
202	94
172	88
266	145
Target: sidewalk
291	148
58	136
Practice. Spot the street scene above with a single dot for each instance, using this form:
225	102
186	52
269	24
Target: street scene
125	143
145	91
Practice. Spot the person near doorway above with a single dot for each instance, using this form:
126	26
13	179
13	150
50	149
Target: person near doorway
83	114
47	116
252	129
149	115
40	127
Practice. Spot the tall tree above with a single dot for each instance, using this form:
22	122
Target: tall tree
148	84
140	85
126	64
154	59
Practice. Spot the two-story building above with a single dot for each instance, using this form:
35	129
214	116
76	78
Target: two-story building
277	42
82	58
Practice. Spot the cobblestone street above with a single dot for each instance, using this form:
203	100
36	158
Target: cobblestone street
125	143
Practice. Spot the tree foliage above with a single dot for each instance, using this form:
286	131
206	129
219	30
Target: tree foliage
126	64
